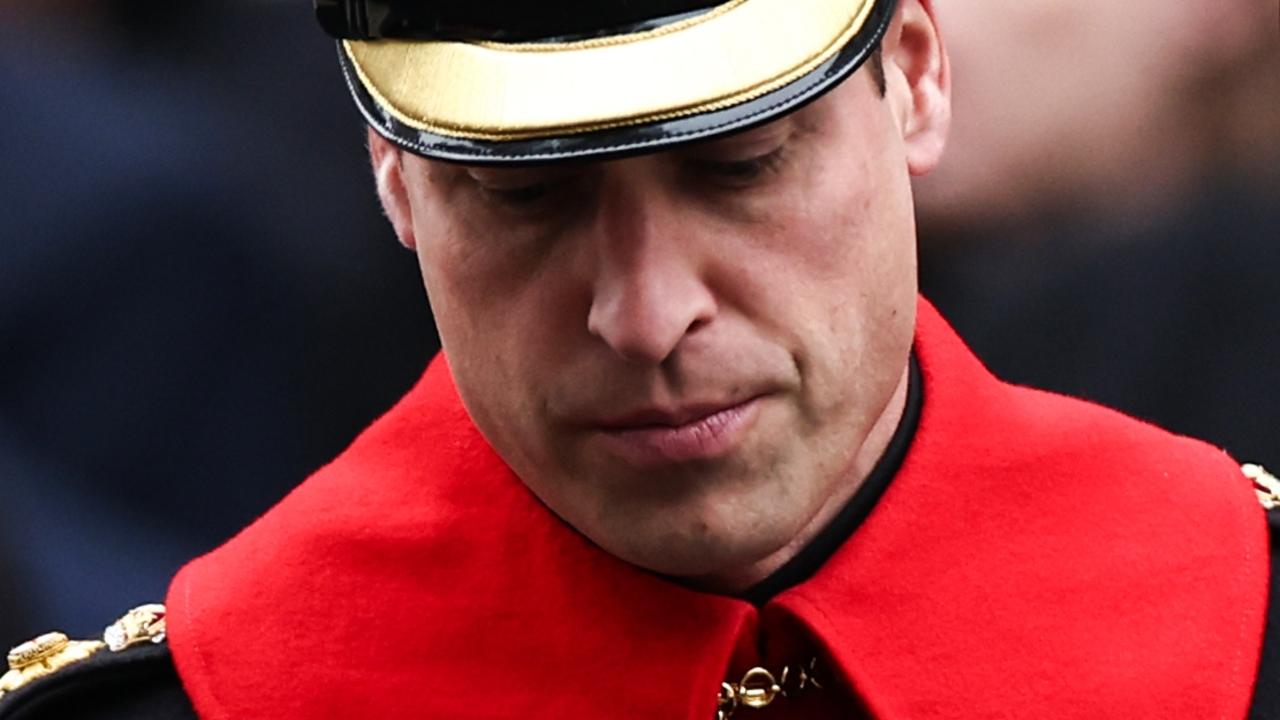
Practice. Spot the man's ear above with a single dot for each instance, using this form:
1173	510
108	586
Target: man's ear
388	173
919	83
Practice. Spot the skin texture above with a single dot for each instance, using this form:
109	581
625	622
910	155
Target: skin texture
770	273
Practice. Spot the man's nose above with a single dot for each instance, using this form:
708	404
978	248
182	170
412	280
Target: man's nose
649	292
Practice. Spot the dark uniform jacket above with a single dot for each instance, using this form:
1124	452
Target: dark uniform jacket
1016	554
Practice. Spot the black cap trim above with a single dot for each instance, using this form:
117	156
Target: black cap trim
521	20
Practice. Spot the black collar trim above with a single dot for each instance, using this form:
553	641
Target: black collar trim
807	562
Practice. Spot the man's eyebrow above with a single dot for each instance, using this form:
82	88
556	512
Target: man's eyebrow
780	130
560	168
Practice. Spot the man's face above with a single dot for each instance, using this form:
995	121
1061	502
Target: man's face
681	354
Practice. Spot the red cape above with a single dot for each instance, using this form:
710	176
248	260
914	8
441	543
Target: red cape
1035	556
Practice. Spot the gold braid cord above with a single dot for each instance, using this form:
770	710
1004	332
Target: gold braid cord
1265	484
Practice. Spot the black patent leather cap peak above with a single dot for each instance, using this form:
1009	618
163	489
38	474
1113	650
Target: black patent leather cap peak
497	20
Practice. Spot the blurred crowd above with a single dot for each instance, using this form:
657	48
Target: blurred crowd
200	302
1105	220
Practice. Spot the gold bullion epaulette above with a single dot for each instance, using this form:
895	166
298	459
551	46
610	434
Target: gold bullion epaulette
53	652
1265	484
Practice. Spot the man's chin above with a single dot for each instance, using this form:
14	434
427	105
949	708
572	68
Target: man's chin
719	559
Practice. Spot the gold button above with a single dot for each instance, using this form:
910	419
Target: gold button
758	688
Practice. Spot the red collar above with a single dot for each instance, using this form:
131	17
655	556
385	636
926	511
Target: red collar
1035	555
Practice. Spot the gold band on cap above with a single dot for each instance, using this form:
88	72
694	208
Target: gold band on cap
501	92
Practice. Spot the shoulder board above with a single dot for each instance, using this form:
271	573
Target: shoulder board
127	673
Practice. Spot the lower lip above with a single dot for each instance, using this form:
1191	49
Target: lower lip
704	439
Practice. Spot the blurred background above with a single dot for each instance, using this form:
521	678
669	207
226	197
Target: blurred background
200	302
1106	221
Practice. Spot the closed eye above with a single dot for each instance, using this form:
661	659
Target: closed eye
741	172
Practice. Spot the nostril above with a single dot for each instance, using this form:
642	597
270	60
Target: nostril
697	324
648	327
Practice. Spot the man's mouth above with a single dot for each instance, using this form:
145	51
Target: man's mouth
661	436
